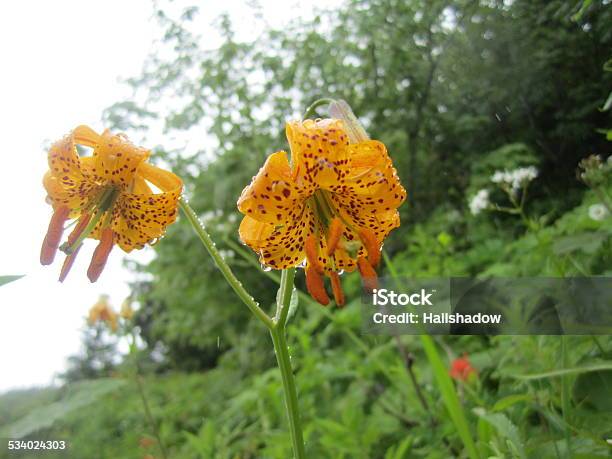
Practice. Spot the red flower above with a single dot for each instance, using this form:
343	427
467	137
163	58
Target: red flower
461	369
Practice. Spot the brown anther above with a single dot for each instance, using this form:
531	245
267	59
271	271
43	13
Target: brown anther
335	233
368	238
68	262
316	286
337	289
368	274
310	247
54	235
100	256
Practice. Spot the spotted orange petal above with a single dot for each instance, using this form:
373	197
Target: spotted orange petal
273	196
140	218
318	150
116	159
278	246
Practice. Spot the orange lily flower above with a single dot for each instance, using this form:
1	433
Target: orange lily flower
102	311
109	196
331	208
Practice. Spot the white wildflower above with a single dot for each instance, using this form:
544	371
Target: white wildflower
501	177
523	175
479	202
516	178
598	212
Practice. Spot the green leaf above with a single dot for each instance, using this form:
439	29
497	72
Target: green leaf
293	304
505	428
588	242
565	371
510	400
403	448
585	5
7	279
449	395
594	388
78	395
608	103
445	239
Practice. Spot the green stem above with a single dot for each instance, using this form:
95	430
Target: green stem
276	327
143	398
246	298
565	394
284	299
311	110
149	416
291	401
284	362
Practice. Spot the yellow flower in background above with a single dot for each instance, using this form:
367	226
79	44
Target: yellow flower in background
126	310
109	195
102	311
332	207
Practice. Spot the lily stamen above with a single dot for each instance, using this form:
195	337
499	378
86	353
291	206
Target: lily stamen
335	233
106	203
100	256
68	262
316	286
337	289
310	248
368	274
54	235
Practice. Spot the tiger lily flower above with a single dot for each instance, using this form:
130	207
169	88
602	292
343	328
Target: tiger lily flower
103	312
328	210
108	195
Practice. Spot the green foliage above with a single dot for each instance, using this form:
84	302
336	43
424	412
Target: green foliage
74	396
457	90
7	279
97	358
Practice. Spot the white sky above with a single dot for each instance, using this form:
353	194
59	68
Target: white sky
61	64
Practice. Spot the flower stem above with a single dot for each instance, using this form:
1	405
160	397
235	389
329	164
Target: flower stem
276	326
311	110
143	398
149	416
284	362
246	298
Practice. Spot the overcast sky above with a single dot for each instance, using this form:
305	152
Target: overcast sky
62	62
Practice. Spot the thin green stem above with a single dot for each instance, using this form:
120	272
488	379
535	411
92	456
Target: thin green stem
311	110
143	398
276	327
284	361
149	416
291	401
246	298
284	298
565	393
